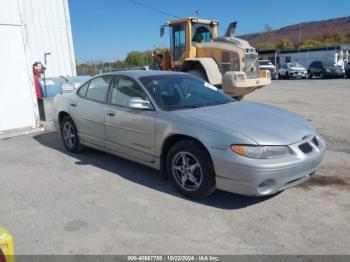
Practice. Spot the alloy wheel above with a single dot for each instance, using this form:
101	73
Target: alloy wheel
187	171
69	134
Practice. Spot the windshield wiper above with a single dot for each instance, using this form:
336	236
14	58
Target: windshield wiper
186	106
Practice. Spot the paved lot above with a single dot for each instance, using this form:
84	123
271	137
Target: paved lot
92	203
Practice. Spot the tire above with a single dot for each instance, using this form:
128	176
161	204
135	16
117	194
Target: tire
322	75
199	73
309	75
287	75
194	178
69	134
347	74
279	76
238	98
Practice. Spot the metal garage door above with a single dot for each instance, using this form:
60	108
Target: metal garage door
17	104
16	101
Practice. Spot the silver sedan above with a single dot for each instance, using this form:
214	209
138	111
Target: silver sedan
191	131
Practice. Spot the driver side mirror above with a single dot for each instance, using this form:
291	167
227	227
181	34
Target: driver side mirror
139	103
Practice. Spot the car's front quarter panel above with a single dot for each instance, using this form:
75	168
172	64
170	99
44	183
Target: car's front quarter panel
216	140
236	173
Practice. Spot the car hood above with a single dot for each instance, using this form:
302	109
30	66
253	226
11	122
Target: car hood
266	66
333	68
298	68
266	125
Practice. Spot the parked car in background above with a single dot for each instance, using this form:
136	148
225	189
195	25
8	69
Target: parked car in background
347	69
61	84
292	70
267	65
194	133
325	70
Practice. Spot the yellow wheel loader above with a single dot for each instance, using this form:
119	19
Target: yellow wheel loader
227	62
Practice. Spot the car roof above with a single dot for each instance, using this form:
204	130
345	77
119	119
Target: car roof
141	73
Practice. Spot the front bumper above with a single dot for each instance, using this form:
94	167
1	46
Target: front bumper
259	177
234	85
335	74
298	74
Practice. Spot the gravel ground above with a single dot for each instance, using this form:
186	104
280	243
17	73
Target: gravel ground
94	203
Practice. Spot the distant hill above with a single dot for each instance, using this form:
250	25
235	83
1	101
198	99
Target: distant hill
310	30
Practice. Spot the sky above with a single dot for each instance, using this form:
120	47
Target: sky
106	30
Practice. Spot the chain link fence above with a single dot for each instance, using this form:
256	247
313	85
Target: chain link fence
91	70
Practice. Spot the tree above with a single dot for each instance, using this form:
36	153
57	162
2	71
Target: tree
285	44
265	46
309	43
135	59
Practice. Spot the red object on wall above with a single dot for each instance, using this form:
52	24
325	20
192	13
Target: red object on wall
38	70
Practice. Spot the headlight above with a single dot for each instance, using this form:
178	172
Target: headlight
239	77
261	152
328	70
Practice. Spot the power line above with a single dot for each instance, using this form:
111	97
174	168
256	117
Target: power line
154	9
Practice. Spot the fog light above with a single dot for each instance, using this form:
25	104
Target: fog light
239	77
267	186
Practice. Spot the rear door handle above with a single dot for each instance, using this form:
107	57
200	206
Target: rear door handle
110	113
73	104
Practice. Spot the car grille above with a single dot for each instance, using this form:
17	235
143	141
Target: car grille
251	65
315	141
306	148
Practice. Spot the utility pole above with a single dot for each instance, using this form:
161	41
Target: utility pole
299	38
45	62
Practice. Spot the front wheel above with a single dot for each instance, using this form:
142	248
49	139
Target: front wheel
199	73
70	136
191	169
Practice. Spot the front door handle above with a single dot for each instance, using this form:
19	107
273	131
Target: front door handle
110	113
73	104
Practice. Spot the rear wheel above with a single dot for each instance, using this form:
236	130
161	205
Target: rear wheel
287	75
70	136
310	75
191	169
322	75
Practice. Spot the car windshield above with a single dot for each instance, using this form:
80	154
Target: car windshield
330	64
265	63
174	92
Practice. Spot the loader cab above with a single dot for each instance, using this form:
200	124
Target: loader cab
185	34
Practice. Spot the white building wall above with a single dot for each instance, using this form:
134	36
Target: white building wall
306	58
49	31
28	29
